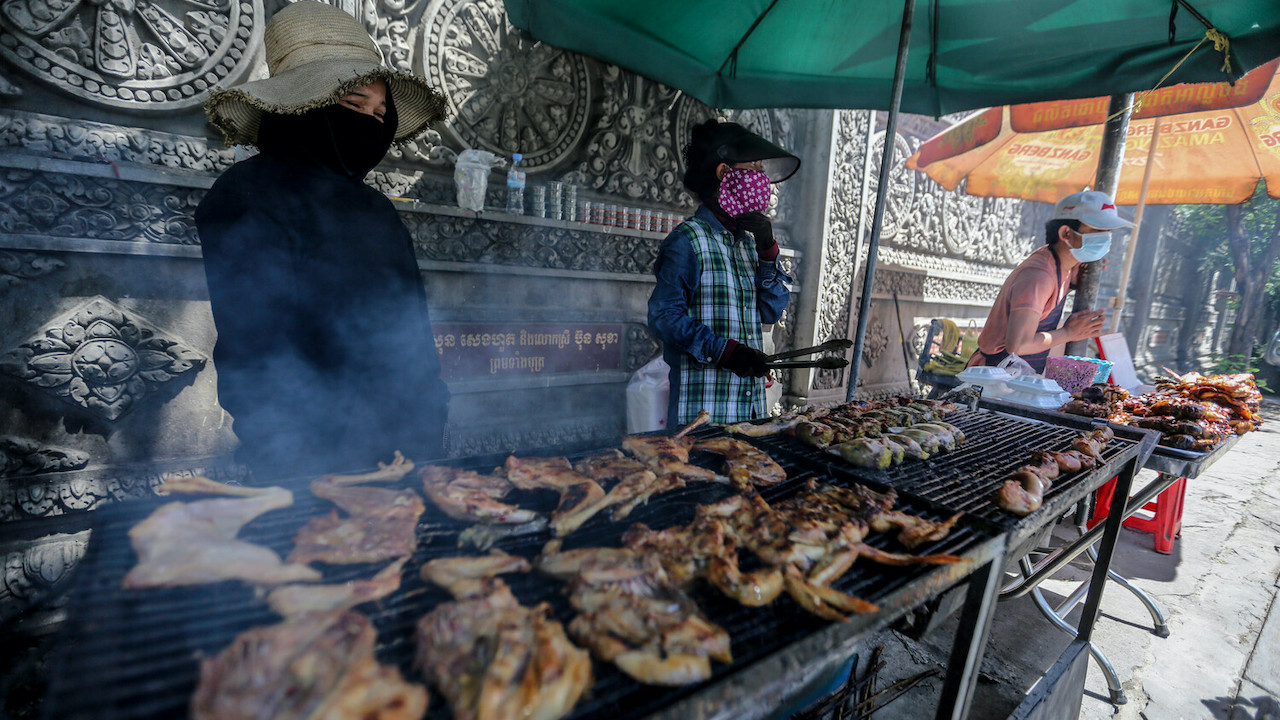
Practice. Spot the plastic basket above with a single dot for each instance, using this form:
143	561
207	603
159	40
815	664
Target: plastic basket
1075	373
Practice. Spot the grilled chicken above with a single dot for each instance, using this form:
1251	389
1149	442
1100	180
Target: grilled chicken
494	659
465	577
781	423
635	482
670	455
380	526
317	665
291	600
746	464
195	543
631	614
466	495
580	496
703	549
1022	493
608	466
814	538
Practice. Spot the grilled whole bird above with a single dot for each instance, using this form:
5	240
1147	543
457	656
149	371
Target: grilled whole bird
380	523
192	543
631	614
317	666
491	657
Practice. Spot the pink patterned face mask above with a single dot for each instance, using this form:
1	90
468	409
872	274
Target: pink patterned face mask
743	191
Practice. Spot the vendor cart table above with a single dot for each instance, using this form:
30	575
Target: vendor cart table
1171	465
965	480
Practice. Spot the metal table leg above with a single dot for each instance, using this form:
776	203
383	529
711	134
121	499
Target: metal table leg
1121	507
970	640
1114	688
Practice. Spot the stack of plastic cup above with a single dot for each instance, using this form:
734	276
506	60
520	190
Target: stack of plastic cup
539	201
570	202
555	194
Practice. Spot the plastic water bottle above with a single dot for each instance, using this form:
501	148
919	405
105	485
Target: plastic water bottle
515	186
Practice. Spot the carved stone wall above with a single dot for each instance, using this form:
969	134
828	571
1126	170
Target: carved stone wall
951	250
105	376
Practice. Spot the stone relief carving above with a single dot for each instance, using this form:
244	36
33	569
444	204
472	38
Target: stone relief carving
20	457
131	54
77	491
102	358
920	215
960	292
32	570
901	195
876	340
641	347
631	151
454	239
942	265
838	260
16	267
8	89
103	209
887	282
80	139
506	94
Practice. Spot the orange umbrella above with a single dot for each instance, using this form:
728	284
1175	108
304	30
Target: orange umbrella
1211	144
1208	151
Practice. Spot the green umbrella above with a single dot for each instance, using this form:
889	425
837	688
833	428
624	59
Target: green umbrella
965	54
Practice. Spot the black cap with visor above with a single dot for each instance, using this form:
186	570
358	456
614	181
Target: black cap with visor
744	146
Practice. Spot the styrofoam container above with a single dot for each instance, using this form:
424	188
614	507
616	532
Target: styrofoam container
1036	391
992	380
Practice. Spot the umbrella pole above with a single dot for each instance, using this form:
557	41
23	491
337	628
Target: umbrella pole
1107	180
886	161
1132	250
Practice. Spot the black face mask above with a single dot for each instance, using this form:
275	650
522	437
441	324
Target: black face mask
344	140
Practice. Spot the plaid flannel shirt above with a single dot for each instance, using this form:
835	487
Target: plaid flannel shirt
712	287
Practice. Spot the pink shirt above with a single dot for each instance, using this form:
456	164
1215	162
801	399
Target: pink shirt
1032	285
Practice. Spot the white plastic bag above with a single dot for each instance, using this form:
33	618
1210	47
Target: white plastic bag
647	395
1016	367
471	175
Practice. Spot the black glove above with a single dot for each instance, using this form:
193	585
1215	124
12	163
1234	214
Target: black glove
758	224
745	361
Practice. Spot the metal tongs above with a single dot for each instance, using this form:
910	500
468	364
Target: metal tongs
824	363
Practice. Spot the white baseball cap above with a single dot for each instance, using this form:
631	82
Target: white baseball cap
1092	208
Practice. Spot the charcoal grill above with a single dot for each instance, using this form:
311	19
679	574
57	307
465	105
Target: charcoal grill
964	479
134	654
1171	464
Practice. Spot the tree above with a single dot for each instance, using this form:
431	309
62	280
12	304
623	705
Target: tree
1254	251
1246	240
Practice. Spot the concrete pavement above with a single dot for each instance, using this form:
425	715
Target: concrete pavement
1217	590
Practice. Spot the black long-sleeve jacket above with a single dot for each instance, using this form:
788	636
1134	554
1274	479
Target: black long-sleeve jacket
325	355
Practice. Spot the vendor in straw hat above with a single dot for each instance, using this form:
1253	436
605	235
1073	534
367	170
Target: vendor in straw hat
325	355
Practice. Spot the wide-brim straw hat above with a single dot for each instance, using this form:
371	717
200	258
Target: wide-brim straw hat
316	54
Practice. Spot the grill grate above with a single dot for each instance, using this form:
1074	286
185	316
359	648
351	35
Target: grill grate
965	478
134	654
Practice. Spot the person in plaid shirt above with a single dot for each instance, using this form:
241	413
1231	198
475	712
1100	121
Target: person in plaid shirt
718	277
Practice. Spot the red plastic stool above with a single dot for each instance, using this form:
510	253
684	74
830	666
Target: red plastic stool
1165	522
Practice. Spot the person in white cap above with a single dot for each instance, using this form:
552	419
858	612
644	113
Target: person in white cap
1028	311
325	355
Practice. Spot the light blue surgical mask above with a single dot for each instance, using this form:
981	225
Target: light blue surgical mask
1095	246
